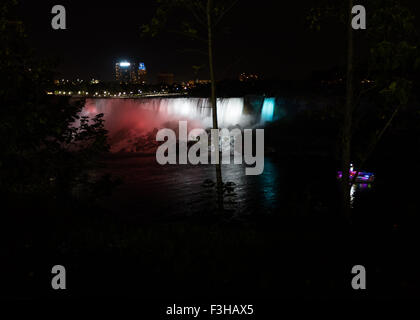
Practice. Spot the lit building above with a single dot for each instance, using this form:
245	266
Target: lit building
130	72
247	77
141	73
193	83
202	81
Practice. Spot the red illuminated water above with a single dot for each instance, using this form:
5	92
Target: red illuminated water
133	123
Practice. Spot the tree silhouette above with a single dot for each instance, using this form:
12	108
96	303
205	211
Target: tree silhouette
200	24
47	149
385	77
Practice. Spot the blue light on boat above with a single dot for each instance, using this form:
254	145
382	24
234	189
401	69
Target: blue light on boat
358	176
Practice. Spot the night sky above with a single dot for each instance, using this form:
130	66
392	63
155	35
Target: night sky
263	38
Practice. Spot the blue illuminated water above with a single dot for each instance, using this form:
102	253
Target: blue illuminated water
267	111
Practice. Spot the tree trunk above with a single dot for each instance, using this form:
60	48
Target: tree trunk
219	181
374	143
347	121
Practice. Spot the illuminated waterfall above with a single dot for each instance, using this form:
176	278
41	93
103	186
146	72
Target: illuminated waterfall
154	113
132	120
229	111
267	111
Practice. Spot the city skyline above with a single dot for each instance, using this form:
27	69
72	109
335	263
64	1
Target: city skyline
130	71
99	33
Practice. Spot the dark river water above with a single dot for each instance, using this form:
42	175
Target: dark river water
180	189
152	190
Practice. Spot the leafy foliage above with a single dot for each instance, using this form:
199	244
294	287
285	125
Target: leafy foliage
46	148
388	58
187	18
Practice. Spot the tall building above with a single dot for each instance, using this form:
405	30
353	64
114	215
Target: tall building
141	73
130	72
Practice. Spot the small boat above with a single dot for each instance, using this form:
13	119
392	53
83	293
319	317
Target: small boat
358	176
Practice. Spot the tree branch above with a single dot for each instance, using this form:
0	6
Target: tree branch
226	10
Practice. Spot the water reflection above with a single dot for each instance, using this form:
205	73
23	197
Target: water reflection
178	189
356	189
153	190
269	184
